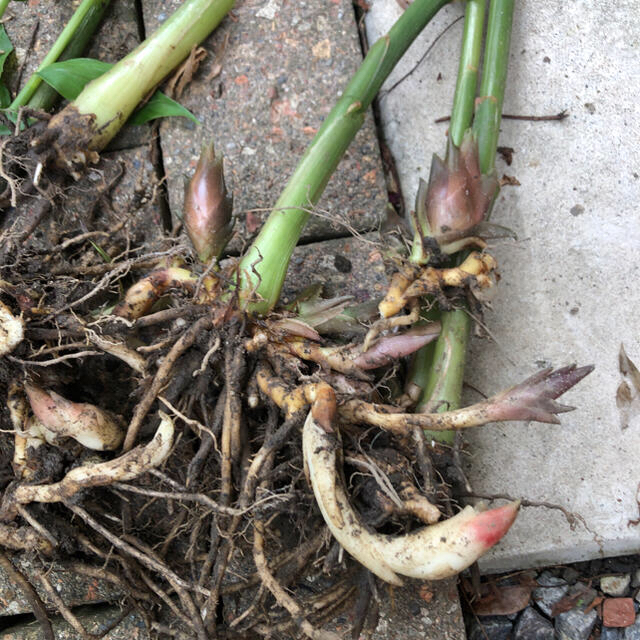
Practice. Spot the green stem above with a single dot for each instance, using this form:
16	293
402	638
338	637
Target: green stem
263	269
465	95
84	11
486	123
113	96
45	97
443	384
3	6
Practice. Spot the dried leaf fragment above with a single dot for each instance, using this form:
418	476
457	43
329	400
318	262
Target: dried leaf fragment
628	393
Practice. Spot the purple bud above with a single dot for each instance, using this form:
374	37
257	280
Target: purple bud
534	399
390	348
458	196
208	207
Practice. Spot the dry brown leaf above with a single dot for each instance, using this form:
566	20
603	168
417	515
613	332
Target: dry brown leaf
576	597
183	76
503	601
216	67
512	181
628	393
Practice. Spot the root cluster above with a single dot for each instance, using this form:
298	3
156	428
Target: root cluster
220	535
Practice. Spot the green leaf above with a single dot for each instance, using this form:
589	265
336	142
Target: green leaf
5	96
5	47
160	106
68	78
101	252
5	131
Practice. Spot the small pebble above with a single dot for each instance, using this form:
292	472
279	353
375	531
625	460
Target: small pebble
609	633
547	579
533	626
570	574
635	580
575	624
546	597
615	585
618	612
632	632
491	628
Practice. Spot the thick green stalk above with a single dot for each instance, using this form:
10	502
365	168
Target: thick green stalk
3	6
438	368
113	96
45	97
486	123
264	267
85	11
465	95
443	387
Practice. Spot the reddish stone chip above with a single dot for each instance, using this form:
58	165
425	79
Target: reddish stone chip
618	612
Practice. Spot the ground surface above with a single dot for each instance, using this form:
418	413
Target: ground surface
574	231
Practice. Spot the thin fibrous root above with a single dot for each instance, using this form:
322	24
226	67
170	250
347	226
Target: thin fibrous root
279	592
126	467
407	499
431	553
162	377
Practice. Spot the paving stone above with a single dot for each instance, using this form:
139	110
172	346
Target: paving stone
567	292
73	588
346	266
491	627
405	614
618	612
283	68
615	585
532	626
116	36
575	624
94	620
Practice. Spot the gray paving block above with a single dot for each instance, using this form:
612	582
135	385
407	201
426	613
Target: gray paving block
282	70
345	266
568	291
72	587
94	620
405	614
34	27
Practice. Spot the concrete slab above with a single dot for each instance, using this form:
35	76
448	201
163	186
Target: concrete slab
568	290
